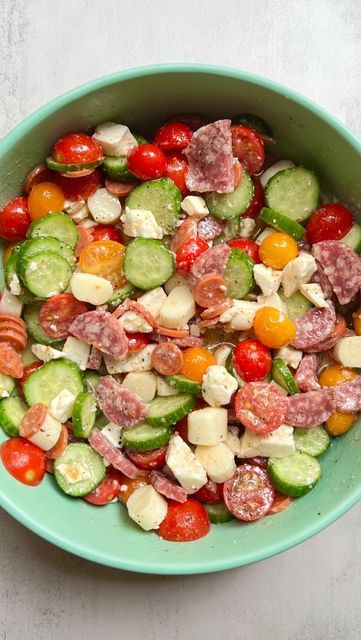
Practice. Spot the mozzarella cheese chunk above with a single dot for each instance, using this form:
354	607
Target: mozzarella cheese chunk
45	353
232	440
247	227
274	301
90	288
74	472
179	307
184	465
298	272
147	507
277	444
10	304
221	354
176	280
141	223
267	279
207	426
77	210
133	321
348	351
275	168
61	407
77	351
314	294
165	389
153	300
140	361
88	223
114	139
195	206
218	386
291	356
48	434
143	383
15	286
265	233
240	316
104	207
218	461
112	432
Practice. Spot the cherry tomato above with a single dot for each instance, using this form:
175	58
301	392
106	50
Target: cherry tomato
188	252
106	232
280	503
252	360
336	374
248	147
136	341
277	250
15	220
173	136
330	222
23	460
257	200
43	198
33	366
78	188
273	328
77	148
248	495
176	169
339	423
57	314
184	522
247	246
107	490
147	162
148	459
128	486
104	258
210	493
196	361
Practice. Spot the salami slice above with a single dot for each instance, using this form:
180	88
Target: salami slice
342	267
210	159
10	361
58	313
248	495
216	310
167	359
319	277
261	407
213	260
95	359
119	405
103	331
347	396
186	231
338	331
306	374
314	327
183	343
112	454
310	409
209	228
167	488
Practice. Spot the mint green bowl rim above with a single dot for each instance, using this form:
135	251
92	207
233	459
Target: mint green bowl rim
237	559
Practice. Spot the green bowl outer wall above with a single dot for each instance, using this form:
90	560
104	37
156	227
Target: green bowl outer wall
305	133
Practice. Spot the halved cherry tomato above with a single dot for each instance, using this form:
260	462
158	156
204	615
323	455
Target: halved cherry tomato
147	162
273	328
173	136
137	340
106	232
15	220
107	490
57	314
339	423
77	148
23	460
252	360
330	222
210	493
104	258
128	486
248	147
148	459
257	200
188	252
184	522
78	188
247	246
196	361
277	250
44	198
33	366
176	169
336	374
248	494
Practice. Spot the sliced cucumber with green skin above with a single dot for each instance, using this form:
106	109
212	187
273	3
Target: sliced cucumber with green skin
64	168
253	122
297	305
144	437
218	513
79	470
283	376
231	205
45	383
31	318
353	238
230	368
10	268
231	230
116	168
7	384
45	274
121	294
56	225
280	222
83	414
184	384
238	274
140	139
148	263
161	197
313	441
101	421
294	475
12	411
92	379
294	192
41	245
167	410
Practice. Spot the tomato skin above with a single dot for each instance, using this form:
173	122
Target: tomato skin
248	147
137	340
257	200
77	148
147	162
78	188
277	250
252	360
196	361
273	328
211	493
184	522
15	220
148	459
23	460
33	366
247	246
188	252
106	232
176	169
330	222
58	312
173	136
44	198
107	490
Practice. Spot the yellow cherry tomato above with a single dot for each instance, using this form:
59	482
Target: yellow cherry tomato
339	423
128	486
273	328
357	321
104	258
336	374
196	361
277	250
8	251
43	198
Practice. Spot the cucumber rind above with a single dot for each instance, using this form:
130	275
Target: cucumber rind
218	513
167	410
294	475
144	437
56	225
148	263
43	245
238	274
226	206
116	168
12	410
283	376
82	454
314	441
162	197
46	382
293	192
353	238
121	294
84	414
64	167
184	384
283	223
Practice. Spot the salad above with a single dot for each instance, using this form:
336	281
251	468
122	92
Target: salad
179	328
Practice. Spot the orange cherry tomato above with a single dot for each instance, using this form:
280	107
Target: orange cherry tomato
128	486
43	198
273	328
277	250
104	258
336	374
339	423
196	361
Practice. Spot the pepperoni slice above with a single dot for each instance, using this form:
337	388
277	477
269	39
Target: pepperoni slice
85	237
210	290
280	503
172	333
119	405
7	318
167	359
261	407
167	487
14	335
216	310
60	446
58	313
33	420
248	495
133	305
187	231
102	330
210	322
10	361
120	189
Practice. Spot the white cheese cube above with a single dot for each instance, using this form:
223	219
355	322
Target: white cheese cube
218	461
240	316
45	353
218	386
207	426
153	300
77	351
314	294
274	301
113	433
232	440
104	207
147	507
291	356
277	444
74	471
179	307
165	389
265	233
48	434
15	286
141	223
221	354
143	383
90	288
10	304
132	322
348	351
267	279
247	227
184	465
275	168
176	280
114	139
195	206
298	272
61	407
140	361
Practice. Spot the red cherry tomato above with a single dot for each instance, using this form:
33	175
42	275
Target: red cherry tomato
27	371
173	136
331	222
15	220
57	314
78	188
184	522
188	252
257	200
148	459
136	341
247	246
211	493
147	162
107	490
252	360
23	460
106	232
77	148
248	147
176	169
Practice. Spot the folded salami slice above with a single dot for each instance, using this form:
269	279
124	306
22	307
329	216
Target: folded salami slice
213	260
167	487
310	409
112	454
347	396
119	405
306	374
319	277
100	329
209	228
314	327
210	159
342	267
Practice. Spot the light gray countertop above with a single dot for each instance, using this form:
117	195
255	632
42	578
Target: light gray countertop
310	592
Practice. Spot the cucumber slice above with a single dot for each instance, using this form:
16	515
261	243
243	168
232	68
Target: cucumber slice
253	122
79	470
121	294
230	368
231	230
238	274
297	305
353	238
283	376
231	205
161	197
294	192
7	384
147	263
294	475
10	268
83	414
54	376
116	168
31	318
218	513
12	411
41	245
56	225
63	168
92	379
313	441
144	437
167	410
282	223
45	274
140	139
184	384
101	421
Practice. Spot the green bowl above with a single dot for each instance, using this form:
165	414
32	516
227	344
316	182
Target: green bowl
306	134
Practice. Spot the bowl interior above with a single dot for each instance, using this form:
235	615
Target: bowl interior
305	134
